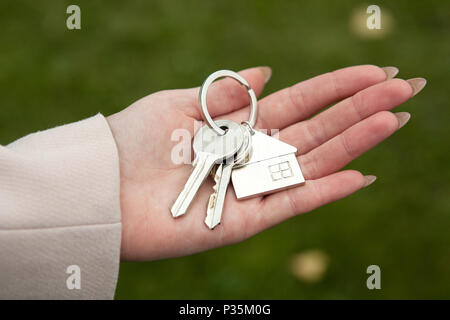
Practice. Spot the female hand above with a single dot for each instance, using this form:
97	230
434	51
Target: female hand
326	142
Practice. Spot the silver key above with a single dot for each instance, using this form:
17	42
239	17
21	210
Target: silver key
210	148
222	178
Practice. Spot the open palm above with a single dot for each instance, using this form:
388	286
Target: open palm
326	142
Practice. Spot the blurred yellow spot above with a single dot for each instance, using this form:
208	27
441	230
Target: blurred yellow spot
309	266
358	23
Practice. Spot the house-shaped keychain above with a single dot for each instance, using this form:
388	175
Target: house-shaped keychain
272	167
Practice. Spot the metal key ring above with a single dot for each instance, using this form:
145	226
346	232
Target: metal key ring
204	90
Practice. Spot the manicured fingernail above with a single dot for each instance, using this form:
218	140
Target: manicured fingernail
267	71
391	72
369	180
403	118
417	84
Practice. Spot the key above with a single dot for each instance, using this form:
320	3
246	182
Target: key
210	148
272	167
222	178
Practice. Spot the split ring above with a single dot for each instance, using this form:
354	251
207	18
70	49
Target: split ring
204	90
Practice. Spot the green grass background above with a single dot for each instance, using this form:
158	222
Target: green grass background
128	49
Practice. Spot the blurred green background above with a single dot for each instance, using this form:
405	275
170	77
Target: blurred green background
50	75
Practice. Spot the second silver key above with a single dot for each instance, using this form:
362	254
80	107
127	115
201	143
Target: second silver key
222	178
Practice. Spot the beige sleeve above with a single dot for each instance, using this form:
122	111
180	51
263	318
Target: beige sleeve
60	220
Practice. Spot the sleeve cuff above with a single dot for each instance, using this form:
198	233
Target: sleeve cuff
60	197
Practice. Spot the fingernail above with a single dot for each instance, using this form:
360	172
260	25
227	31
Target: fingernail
267	71
403	118
417	84
369	180
391	72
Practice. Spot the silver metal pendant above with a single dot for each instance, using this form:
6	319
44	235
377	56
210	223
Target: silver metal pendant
272	167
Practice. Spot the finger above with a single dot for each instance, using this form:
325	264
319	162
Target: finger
282	205
345	147
227	95
309	134
306	98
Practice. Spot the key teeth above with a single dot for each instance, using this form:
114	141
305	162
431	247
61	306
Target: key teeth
209	220
211	202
